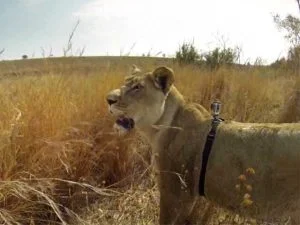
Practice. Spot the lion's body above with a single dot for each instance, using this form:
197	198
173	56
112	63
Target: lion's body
273	151
178	138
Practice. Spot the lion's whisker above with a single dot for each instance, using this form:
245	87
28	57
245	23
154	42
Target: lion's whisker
158	127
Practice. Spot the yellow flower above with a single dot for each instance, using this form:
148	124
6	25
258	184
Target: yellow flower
242	178
250	171
246	202
248	187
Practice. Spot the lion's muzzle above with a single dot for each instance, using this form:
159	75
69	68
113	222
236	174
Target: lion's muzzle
113	97
123	123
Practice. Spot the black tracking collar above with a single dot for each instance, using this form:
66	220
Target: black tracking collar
207	149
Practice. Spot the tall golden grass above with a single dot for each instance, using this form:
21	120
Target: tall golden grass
58	151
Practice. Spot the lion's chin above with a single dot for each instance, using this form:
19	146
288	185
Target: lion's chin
123	125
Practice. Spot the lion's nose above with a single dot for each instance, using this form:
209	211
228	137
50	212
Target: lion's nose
110	101
113	97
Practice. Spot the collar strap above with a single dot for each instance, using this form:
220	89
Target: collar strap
206	152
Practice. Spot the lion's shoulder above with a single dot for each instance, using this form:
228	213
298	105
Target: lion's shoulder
197	110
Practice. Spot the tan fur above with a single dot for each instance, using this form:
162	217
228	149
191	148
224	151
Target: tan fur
253	169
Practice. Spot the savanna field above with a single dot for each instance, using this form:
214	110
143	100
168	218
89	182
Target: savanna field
62	163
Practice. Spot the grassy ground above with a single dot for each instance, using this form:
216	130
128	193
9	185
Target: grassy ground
62	164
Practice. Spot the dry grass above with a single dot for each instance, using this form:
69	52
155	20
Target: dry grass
58	152
292	105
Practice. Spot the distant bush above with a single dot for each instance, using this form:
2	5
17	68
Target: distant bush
292	62
293	59
24	56
291	27
219	57
279	63
187	54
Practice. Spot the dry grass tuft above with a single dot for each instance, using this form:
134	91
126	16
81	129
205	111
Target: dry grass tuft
136	205
291	111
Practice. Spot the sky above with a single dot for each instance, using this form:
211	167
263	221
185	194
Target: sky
119	27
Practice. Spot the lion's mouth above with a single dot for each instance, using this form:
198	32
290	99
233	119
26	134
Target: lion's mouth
125	122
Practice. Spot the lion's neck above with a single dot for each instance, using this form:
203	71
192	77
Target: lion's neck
174	102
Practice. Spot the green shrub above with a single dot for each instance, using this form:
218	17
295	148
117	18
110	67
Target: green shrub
187	54
219	57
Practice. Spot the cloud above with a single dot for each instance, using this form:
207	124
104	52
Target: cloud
136	9
163	25
31	3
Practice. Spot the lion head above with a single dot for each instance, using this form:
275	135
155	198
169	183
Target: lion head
140	101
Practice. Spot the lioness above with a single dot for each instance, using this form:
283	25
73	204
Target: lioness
252	169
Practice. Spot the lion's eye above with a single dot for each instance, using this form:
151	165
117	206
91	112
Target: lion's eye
137	87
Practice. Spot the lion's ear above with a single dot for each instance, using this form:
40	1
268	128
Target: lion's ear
163	78
135	69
